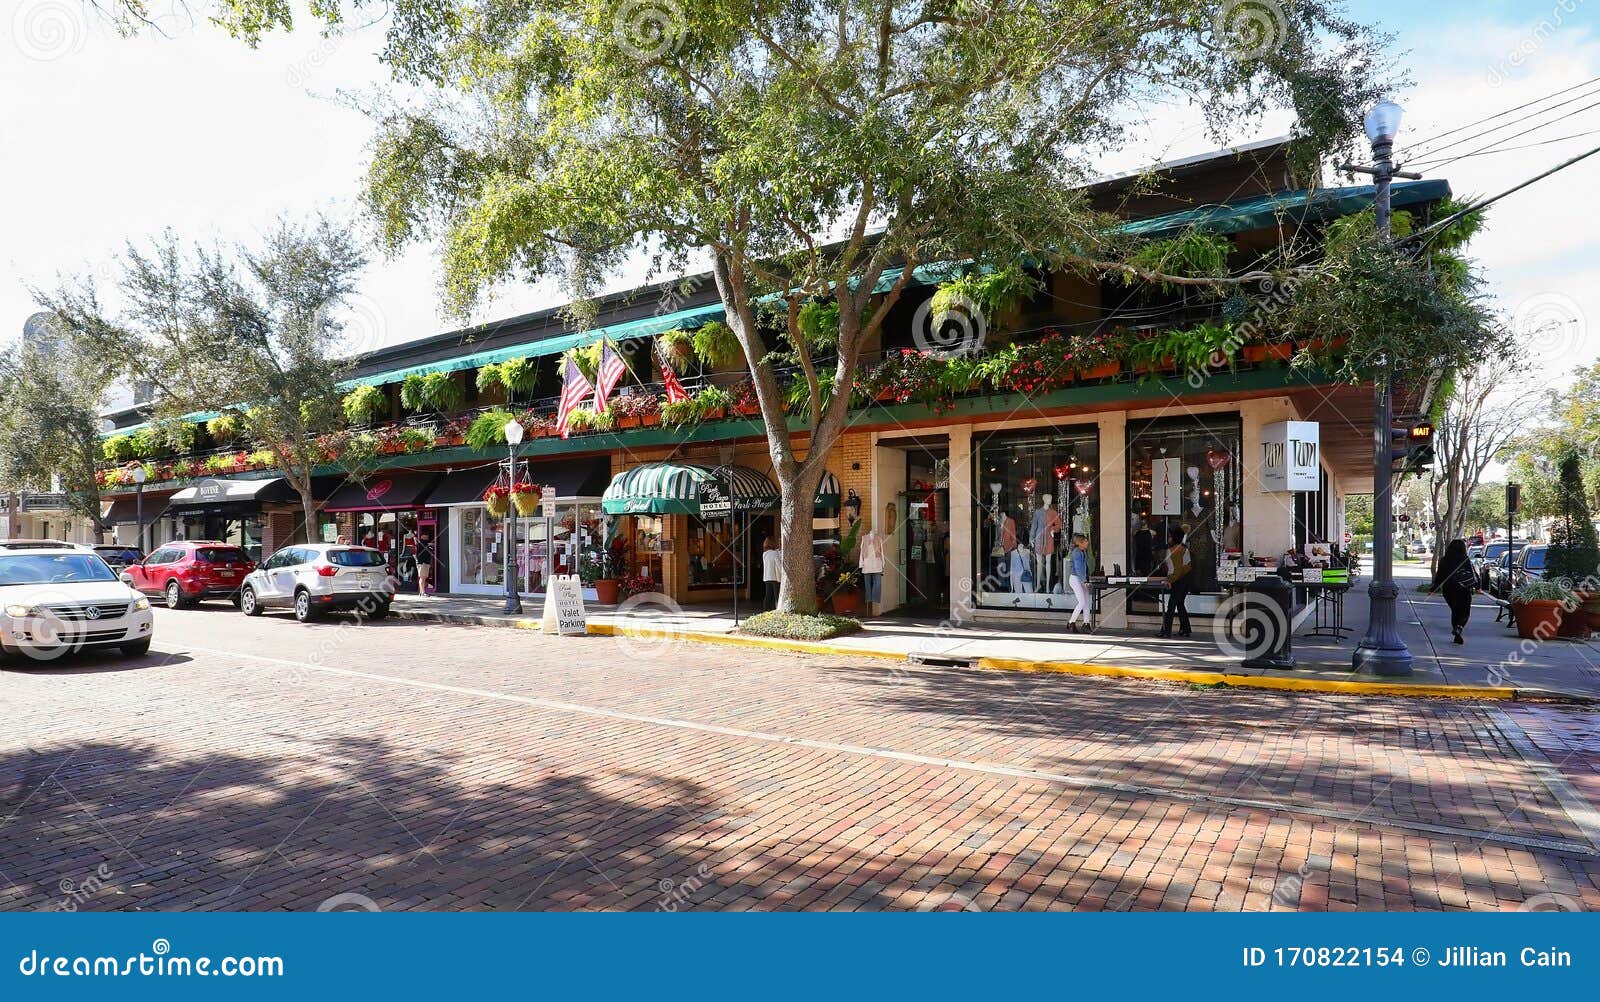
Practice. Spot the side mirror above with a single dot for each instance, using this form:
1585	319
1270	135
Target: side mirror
125	578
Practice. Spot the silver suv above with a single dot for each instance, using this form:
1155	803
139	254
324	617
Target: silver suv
317	578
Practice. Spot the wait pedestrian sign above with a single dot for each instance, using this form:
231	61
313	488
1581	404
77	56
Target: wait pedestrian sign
563	607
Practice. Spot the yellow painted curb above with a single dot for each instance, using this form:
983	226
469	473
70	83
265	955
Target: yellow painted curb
1281	684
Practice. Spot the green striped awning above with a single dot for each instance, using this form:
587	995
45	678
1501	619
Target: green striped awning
693	489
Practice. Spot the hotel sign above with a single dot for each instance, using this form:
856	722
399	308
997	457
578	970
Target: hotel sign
1291	456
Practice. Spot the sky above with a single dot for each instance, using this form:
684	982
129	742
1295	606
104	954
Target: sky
105	139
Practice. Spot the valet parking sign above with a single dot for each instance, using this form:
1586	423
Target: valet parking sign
1290	456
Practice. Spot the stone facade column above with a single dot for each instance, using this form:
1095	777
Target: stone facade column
963	559
1111	537
1268	517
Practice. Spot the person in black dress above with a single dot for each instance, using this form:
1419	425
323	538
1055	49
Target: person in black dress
1459	582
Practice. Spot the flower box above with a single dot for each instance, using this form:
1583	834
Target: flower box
1104	371
1280	351
1324	344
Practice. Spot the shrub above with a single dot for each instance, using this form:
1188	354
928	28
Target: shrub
1545	591
148	442
364	404
223	427
488	430
793	626
716	345
118	448
1574	551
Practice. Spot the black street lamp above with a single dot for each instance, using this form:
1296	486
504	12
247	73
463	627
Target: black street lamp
137	470
513	430
1382	651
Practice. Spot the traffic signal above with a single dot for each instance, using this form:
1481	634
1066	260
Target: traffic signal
1412	447
1513	499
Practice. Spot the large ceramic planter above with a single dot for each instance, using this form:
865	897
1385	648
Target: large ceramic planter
1575	621
845	603
607	591
1591	612
1537	620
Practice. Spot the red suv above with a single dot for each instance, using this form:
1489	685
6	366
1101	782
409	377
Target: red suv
188	571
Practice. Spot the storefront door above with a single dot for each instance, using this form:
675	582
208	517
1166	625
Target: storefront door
923	533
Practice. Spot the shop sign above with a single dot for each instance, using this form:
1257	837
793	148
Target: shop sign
1166	487
563	606
715	501
547	501
209	490
1289	456
379	489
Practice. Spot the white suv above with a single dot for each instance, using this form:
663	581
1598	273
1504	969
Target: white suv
57	600
317	578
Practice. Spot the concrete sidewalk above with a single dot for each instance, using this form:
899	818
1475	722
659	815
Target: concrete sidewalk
1493	658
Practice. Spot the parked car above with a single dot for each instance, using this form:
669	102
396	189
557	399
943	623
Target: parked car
318	578
186	572
1497	576
1492	552
55	600
36	544
1528	566
118	556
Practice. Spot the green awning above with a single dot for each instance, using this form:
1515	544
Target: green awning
688	489
1263	211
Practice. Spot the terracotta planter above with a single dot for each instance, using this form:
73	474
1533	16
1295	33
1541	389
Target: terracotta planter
845	603
1538	620
607	591
1575	624
1106	371
1281	352
649	420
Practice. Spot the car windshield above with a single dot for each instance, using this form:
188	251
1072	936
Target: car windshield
1495	549
126	556
1536	559
52	568
355	558
220	555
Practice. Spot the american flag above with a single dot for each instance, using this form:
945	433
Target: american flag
575	389
609	375
675	391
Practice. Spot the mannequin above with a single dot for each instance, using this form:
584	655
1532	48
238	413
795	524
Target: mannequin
1022	581
1042	532
1008	548
870	559
1144	546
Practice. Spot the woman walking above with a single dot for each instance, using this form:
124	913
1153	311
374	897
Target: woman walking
1459	582
1175	570
1078	579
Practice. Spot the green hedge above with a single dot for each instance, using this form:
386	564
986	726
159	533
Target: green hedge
792	626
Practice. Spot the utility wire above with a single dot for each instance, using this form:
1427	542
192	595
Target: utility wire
1432	156
1437	164
1436	227
1499	114
1524	146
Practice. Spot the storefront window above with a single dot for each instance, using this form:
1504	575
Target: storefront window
1185	473
541	546
712	545
1037	488
649	545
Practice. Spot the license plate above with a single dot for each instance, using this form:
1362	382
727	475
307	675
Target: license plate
364	581
226	574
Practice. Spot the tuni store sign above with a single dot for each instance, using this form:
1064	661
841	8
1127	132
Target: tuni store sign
1290	456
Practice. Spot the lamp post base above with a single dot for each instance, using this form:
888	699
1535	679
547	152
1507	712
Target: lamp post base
513	604
1388	661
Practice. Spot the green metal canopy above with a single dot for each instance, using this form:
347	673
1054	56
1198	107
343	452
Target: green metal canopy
1304	205
695	489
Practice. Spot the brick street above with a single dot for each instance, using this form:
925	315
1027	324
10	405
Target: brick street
260	764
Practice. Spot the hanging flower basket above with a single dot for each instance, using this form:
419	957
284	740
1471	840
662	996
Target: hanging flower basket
497	499
526	498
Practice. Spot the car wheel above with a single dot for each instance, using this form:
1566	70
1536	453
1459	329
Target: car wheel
137	649
304	611
247	601
236	598
379	611
174	594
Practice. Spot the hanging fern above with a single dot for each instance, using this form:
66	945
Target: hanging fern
363	404
414	393
487	431
716	345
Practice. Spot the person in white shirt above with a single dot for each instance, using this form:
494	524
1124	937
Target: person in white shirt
771	570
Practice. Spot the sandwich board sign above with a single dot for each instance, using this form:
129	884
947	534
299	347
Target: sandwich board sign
563	607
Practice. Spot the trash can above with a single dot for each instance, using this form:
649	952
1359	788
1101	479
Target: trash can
1268	619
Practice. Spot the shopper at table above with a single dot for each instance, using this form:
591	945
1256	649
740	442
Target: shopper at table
1459	582
1175	569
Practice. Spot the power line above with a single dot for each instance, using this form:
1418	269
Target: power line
1501	114
1436	227
1524	146
1431	156
1436	164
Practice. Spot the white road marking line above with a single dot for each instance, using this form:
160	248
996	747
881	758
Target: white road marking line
1578	808
986	768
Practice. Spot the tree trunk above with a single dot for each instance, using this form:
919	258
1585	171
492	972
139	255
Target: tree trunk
798	592
308	505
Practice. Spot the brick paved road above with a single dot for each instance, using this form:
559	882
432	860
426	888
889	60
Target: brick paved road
259	764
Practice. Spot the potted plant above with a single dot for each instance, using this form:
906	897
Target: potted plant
361	405
1261	351
846	595
677	348
525	497
1539	607
497	499
223	428
711	403
716	345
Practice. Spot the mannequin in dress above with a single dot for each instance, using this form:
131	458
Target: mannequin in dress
1008	544
1042	537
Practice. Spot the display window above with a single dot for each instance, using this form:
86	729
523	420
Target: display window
569	543
1186	473
1037	488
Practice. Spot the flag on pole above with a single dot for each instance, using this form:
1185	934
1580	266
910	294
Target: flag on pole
575	389
607	376
675	391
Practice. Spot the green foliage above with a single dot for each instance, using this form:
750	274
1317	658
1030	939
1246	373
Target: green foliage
1548	590
1574	554
712	399
1199	349
716	345
148	443
118	448
680	413
675	346
514	375
364	404
819	323
487	432
178	436
262	457
435	391
797	626
585	420
223	428
1195	254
